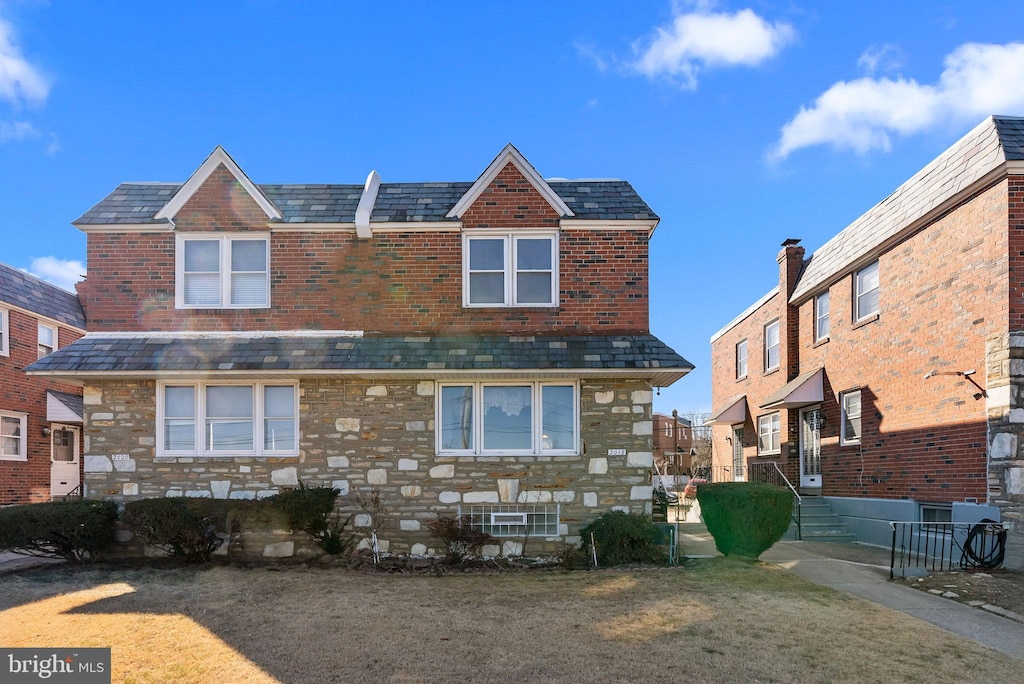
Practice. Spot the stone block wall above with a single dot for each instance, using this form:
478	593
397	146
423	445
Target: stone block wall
1005	403
364	436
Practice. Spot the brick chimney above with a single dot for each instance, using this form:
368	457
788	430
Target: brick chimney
791	263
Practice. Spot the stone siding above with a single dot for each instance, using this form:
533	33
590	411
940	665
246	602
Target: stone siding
1005	403
362	436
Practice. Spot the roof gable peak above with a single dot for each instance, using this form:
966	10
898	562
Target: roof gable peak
510	155
218	157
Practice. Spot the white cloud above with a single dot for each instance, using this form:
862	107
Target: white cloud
20	82
862	115
17	130
703	38
588	52
880	58
59	272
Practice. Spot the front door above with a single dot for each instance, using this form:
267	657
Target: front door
810	447
737	455
64	460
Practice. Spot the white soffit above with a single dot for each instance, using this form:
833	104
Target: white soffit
510	154
217	157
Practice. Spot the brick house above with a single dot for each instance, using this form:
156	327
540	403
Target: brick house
478	347
673	441
40	420
881	372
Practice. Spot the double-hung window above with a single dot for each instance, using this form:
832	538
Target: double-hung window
12	436
769	430
514	269
821	319
47	339
4	333
741	359
866	292
220	271
771	346
851	410
528	418
222	419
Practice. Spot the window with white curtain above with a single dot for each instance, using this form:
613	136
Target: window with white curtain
12	436
223	271
227	419
519	418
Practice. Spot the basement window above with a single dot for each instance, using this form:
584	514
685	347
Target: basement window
510	520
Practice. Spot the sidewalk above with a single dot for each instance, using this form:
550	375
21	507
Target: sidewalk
863	571
16	562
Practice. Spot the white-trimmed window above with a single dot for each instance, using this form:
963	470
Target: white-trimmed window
510	520
769	430
822	325
527	418
866	292
851	410
223	272
4	333
12	436
227	419
771	346
514	269
47	339
741	359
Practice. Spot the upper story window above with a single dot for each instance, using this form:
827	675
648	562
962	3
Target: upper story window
4	334
771	346
741	359
866	292
222	271
47	339
528	418
12	436
220	419
821	319
516	269
851	410
668	429
769	430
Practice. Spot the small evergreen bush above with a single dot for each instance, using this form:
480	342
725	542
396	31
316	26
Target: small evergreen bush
311	510
459	537
182	527
745	518
79	531
623	538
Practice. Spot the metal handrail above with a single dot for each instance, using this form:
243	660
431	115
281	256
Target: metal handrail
75	493
798	516
934	545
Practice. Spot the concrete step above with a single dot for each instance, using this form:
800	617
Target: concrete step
819	523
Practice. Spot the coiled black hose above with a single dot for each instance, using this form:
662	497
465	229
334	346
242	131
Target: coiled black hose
984	547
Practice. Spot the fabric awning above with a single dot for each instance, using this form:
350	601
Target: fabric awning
735	411
802	390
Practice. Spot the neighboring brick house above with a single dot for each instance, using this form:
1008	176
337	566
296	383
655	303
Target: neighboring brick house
882	371
673	442
40	420
478	347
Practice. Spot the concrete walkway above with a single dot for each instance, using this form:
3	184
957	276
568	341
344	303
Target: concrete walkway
863	571
16	562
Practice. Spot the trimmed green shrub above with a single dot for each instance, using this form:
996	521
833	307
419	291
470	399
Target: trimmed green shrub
459	537
623	538
182	527
79	531
311	509
745	518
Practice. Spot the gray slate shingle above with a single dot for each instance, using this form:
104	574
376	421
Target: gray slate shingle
292	353
32	294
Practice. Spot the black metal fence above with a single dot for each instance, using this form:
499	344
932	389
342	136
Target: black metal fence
945	546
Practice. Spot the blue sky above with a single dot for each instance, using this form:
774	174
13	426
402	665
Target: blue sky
741	123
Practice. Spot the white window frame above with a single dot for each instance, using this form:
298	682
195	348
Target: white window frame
224	272
741	368
822	319
537	419
511	269
258	419
22	454
5	332
39	341
844	416
512	520
768	366
859	294
773	423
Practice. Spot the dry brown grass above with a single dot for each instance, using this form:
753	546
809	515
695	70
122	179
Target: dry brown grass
718	620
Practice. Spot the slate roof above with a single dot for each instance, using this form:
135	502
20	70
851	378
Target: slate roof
96	353
138	203
32	294
993	142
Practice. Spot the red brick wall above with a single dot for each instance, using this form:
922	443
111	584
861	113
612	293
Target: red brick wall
28	481
942	292
394	282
